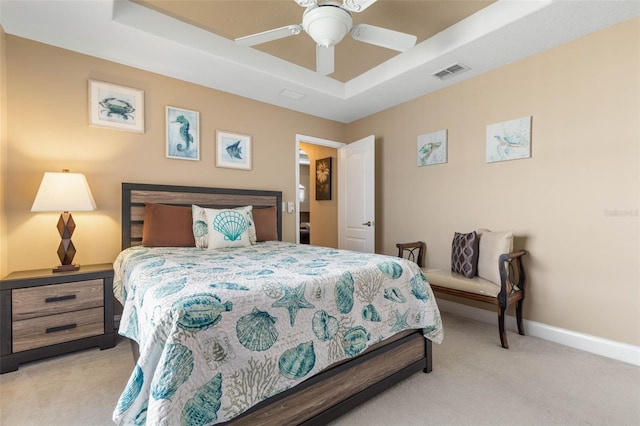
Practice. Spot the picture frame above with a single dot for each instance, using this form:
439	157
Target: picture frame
323	179
508	140
233	150
432	148
116	107
182	134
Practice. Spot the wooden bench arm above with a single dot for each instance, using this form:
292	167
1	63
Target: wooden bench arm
508	272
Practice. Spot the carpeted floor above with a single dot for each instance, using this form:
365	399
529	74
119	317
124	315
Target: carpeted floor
474	382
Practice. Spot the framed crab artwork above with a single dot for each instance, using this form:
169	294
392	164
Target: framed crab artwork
116	107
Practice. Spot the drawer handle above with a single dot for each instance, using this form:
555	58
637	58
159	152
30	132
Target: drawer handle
59	298
60	328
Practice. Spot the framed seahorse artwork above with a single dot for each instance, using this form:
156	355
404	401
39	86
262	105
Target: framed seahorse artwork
233	150
116	107
183	133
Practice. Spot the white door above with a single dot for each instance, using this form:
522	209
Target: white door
356	196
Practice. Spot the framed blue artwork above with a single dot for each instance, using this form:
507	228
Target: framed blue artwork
183	133
233	150
116	107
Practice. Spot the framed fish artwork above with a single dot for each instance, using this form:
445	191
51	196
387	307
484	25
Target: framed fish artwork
116	107
233	150
432	148
183	133
509	140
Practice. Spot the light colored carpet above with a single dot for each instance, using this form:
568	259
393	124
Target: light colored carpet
474	382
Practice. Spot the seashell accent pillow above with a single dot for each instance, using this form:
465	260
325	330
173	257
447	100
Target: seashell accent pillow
227	228
201	225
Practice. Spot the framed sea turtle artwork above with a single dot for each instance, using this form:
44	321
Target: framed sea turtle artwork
509	140
432	148
116	107
233	150
183	133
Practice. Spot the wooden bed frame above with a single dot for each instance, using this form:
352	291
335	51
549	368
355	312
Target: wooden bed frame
327	395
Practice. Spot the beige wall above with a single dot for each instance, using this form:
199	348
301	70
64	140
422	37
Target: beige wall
574	203
48	130
305	181
324	213
3	153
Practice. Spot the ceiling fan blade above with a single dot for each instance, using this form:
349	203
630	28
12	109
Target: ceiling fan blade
269	35
307	3
324	59
383	37
356	5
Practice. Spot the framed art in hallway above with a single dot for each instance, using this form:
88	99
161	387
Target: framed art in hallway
323	179
183	133
233	150
432	148
509	140
116	107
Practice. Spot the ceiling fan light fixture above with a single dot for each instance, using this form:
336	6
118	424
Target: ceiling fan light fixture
327	25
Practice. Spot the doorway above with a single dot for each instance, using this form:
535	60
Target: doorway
321	219
304	190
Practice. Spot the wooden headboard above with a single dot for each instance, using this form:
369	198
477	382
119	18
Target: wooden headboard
134	195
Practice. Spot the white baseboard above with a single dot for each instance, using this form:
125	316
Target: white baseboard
597	345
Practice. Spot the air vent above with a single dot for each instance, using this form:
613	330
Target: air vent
450	71
292	94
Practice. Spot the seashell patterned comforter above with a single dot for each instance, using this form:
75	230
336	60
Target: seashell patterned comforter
221	330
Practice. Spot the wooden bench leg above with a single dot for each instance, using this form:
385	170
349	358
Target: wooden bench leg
503	335
519	316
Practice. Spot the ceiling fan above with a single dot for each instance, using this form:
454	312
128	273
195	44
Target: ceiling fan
327	23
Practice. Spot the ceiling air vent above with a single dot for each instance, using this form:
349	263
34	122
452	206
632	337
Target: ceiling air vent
450	71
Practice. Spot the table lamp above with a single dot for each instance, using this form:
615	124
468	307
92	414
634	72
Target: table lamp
64	192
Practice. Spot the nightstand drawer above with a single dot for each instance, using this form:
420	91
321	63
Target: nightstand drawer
52	329
55	299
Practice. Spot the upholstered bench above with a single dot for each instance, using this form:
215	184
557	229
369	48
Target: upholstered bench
498	276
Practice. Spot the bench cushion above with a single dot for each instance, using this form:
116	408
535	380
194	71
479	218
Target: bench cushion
457	281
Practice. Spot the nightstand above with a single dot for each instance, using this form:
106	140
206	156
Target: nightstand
43	314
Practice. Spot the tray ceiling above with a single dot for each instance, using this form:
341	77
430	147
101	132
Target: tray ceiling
193	41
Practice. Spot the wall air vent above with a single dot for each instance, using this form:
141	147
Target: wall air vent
450	71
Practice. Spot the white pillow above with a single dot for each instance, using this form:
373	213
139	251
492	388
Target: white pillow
492	245
201	225
227	228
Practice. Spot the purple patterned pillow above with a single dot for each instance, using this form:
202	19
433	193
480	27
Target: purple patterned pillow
464	254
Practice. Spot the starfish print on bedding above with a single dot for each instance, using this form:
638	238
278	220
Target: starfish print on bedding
401	322
293	299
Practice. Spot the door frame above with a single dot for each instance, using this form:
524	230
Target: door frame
312	140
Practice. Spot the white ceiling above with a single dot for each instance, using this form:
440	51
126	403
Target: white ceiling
132	34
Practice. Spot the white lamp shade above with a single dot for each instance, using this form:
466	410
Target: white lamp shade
63	192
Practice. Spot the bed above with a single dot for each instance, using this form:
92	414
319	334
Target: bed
268	333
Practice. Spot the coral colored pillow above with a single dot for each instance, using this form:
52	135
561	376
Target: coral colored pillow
266	223
167	226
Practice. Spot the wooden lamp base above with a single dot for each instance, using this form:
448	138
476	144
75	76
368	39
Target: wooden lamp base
66	249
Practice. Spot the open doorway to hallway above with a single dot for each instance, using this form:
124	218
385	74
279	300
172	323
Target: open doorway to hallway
319	220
